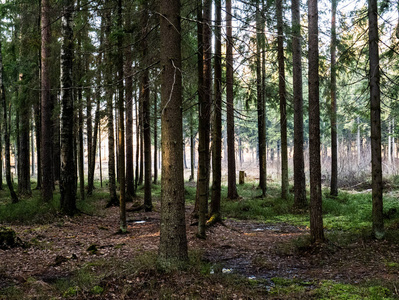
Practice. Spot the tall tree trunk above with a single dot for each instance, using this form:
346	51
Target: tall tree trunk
217	121
358	143
155	137
316	218
80	137
173	240
130	190
141	137
14	197
375	113
121	140
204	120
192	147
299	164
231	181
283	100
138	141
24	187
334	149
113	200
200	70
145	94
260	103
67	182
46	111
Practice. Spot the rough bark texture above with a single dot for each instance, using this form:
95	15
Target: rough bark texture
283	100
231	160
14	197
67	180
46	111
217	115
260	103
24	187
334	148
121	140
200	70
204	121
375	113
145	96
173	240
113	200
299	164
316	218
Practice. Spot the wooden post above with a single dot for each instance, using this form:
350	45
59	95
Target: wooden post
241	177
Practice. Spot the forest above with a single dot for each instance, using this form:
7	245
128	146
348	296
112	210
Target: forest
205	149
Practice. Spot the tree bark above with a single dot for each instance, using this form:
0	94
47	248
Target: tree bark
217	121
231	181
283	100
121	140
334	148
375	113
46	105
14	197
299	164
155	117
260	103
316	218
146	115
173	240
130	189
67	180
204	120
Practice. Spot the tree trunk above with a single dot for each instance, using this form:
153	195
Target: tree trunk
334	149
192	147
217	119
299	164
200	70
46	111
24	187
145	95
173	240
231	161
113	200
260	103
67	180
121	140
316	218
204	120
138	141
375	113
155	137
283	100
14	197
130	190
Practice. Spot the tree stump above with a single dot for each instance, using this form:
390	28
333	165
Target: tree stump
241	177
8	238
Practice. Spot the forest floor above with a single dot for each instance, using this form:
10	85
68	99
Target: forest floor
85	258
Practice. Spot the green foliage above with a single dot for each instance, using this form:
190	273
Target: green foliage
340	291
28	211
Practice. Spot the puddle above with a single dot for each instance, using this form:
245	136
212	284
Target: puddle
139	222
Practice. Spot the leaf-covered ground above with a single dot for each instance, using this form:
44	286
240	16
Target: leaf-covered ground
84	258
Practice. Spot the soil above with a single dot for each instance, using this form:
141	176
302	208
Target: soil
251	249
